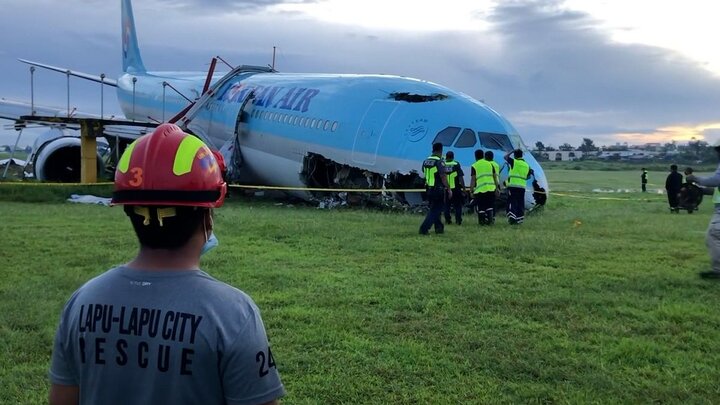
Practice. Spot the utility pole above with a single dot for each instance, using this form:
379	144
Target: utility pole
273	59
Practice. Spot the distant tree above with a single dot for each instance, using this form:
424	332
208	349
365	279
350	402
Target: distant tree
670	147
550	148
539	146
587	146
566	147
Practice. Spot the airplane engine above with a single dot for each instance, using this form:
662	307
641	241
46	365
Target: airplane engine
58	160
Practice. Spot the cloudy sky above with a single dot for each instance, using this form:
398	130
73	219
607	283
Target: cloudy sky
631	71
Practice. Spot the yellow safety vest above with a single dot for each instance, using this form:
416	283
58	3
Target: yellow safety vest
716	195
497	169
518	174
430	170
451	173
484	181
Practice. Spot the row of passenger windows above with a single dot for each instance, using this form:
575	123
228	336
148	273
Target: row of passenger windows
315	123
467	139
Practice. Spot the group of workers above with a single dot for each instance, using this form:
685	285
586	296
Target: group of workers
445	188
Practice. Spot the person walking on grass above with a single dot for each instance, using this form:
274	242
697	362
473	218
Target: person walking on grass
158	330
490	157
673	184
712	238
436	189
456	183
520	172
643	180
483	184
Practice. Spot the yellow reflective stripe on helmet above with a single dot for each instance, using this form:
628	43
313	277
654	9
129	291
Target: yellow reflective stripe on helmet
185	155
124	163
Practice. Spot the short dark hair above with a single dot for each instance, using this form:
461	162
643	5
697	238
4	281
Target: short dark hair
489	155
450	155
518	154
437	147
673	168
478	154
174	232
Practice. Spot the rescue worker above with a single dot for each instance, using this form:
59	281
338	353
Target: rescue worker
158	330
483	185
455	180
490	157
712	238
643	180
673	184
436	189
517	181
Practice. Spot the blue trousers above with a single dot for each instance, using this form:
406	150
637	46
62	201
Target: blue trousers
456	204
436	198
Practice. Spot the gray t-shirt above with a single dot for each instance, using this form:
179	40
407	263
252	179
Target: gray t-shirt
172	337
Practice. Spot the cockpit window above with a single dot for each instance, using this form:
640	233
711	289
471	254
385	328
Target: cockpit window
467	139
447	136
495	141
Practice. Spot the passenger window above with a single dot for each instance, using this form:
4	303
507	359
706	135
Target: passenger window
334	126
447	136
495	141
467	139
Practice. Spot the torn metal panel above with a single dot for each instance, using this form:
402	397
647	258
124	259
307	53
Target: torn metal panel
321	172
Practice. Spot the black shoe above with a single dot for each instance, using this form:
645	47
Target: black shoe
710	274
424	232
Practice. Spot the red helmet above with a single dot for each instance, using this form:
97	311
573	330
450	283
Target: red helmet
169	168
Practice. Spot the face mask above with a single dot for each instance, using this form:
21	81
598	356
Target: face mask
211	242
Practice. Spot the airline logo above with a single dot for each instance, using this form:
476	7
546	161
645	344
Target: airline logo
293	98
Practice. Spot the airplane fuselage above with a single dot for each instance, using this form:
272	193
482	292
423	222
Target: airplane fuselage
379	123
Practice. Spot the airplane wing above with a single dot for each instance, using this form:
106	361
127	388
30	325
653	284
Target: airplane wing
23	114
13	110
94	78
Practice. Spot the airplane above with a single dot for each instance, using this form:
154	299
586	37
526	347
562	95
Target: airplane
304	130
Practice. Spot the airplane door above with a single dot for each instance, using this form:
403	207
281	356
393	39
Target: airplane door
367	138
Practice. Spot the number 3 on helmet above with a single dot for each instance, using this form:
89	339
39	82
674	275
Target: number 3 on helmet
169	168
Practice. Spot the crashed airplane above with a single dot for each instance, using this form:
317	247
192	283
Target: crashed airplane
312	130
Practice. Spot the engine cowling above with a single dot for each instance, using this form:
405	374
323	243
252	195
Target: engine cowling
57	159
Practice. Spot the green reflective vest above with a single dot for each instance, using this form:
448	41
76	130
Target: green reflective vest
518	174
452	173
484	180
430	169
716	195
497	170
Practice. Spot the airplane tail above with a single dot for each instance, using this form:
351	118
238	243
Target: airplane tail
132	61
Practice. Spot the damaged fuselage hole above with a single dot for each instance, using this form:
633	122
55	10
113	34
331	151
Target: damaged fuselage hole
417	98
321	172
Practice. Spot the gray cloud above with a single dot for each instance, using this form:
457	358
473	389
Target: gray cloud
552	72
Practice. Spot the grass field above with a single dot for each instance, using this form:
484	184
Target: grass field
589	301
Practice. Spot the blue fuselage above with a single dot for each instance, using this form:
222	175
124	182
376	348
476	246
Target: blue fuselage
382	124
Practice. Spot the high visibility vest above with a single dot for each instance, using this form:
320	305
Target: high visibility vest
452	173
430	169
716	195
484	180
518	174
497	169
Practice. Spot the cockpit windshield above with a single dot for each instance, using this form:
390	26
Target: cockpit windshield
495	141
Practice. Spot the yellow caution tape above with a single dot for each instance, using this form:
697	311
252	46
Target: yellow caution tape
319	189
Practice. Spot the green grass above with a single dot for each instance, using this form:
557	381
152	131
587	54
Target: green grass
590	301
17	155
